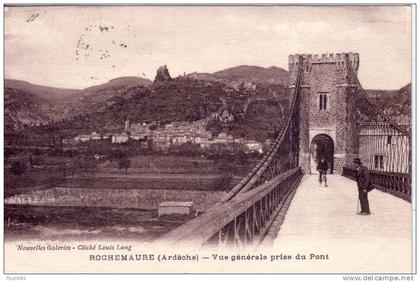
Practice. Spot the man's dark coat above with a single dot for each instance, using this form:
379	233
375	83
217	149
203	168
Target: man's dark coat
363	181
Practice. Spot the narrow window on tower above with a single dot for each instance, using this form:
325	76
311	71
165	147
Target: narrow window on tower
322	102
325	102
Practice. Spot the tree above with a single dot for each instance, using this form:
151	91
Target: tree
149	144
117	155
223	182
89	164
124	163
83	165
18	168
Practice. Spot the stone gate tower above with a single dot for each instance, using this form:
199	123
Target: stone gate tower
327	109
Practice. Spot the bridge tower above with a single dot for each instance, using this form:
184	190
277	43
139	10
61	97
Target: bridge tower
327	125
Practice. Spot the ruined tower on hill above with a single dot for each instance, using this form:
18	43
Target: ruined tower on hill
162	74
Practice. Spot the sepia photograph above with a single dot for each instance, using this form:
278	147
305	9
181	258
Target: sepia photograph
209	139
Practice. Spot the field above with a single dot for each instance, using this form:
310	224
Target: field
53	201
178	164
145	172
37	179
159	181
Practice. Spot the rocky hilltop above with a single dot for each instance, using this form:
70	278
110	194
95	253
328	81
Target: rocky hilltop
162	75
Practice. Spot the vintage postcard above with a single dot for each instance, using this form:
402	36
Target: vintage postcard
208	139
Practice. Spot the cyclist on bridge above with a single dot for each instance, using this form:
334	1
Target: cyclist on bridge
322	168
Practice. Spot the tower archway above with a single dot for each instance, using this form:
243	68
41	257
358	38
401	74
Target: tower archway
322	146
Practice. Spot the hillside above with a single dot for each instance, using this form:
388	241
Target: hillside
30	104
94	99
232	100
45	92
204	76
395	104
126	81
191	97
22	109
271	75
255	113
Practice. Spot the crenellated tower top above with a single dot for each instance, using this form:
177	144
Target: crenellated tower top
345	66
340	59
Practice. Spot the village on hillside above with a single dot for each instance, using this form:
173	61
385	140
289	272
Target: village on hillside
171	135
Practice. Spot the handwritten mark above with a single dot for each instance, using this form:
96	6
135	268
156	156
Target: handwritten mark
103	28
32	17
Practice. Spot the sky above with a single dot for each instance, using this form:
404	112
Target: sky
81	46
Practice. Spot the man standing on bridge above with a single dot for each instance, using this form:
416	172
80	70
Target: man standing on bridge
363	185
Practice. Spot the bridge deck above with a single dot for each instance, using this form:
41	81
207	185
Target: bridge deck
323	220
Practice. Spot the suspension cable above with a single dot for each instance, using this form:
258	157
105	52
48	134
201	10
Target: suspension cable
239	187
375	109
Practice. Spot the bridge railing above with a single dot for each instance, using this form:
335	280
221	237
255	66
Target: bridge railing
282	156
242	221
245	213
383	144
350	172
397	184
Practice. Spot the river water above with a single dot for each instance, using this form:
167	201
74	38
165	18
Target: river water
27	222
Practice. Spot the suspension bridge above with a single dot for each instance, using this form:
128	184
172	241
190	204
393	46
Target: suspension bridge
280	204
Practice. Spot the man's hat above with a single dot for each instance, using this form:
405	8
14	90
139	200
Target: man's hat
357	161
